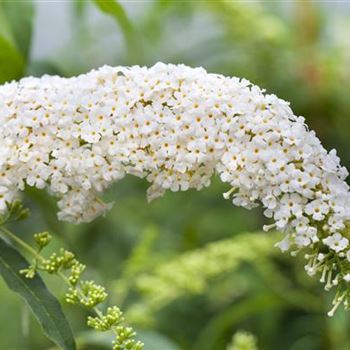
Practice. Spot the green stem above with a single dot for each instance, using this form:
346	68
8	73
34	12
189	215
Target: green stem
20	242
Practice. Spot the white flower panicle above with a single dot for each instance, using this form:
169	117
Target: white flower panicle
176	126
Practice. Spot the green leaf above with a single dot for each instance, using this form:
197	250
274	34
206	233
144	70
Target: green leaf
114	9
43	304
5	30
20	15
11	61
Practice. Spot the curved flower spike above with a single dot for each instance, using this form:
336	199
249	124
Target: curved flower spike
176	126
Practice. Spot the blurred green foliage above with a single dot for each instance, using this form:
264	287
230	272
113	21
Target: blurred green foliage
154	258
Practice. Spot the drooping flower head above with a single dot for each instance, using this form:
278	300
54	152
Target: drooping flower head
176	126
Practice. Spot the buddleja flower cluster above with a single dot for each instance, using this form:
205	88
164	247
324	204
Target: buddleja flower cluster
176	126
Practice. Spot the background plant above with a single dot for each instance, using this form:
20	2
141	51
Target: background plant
300	51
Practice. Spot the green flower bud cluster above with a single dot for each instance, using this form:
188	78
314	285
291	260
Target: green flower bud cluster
84	292
76	270
15	211
29	272
124	339
91	294
42	239
72	296
112	318
56	262
243	341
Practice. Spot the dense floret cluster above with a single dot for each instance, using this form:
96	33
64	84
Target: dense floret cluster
176	126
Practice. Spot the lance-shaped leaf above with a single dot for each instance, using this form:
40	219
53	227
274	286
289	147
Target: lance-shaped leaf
11	61
20	18
43	304
114	9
